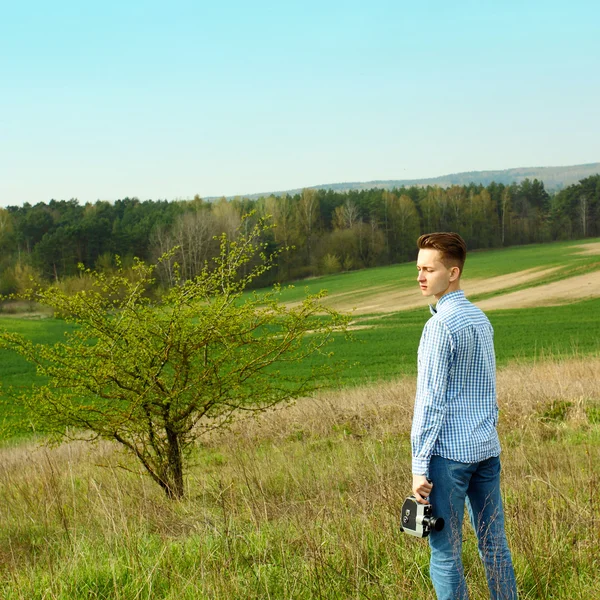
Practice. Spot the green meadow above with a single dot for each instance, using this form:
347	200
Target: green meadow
383	346
383	351
566	257
303	502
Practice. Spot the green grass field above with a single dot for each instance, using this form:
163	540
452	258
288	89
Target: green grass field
386	347
303	503
384	351
566	256
17	374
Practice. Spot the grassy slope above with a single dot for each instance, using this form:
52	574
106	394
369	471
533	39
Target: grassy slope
387	348
304	504
480	265
17	374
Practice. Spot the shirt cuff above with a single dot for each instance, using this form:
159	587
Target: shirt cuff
420	466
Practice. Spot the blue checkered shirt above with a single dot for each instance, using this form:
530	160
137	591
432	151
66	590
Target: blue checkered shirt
456	412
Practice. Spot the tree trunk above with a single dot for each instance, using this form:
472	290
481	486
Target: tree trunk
173	480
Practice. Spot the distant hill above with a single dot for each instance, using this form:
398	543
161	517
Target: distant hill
554	178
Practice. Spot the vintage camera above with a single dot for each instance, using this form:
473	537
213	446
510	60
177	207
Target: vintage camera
417	519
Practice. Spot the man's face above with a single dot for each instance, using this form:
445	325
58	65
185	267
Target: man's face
434	277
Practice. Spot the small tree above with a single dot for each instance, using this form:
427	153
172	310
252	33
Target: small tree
155	376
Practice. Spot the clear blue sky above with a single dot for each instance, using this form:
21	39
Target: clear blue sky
169	99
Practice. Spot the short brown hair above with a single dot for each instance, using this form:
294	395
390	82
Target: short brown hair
451	246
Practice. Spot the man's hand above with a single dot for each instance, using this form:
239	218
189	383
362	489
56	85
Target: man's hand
421	488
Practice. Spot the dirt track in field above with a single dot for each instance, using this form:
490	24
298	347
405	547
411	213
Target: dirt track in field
551	294
389	300
593	248
564	291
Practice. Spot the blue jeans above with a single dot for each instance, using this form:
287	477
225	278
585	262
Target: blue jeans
479	485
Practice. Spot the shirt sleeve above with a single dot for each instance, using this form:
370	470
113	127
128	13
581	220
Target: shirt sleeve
435	362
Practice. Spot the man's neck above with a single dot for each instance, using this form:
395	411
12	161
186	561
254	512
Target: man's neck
453	287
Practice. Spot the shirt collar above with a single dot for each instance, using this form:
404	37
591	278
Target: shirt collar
450	297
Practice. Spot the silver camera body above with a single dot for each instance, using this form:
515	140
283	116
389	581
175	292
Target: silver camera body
417	519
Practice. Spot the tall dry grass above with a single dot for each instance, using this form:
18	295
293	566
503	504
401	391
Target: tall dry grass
303	503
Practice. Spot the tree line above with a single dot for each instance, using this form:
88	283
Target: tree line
329	231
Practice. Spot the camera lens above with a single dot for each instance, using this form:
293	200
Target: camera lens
437	523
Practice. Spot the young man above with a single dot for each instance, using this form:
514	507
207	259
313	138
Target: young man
455	446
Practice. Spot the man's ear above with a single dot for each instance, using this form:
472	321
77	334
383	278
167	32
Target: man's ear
454	273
